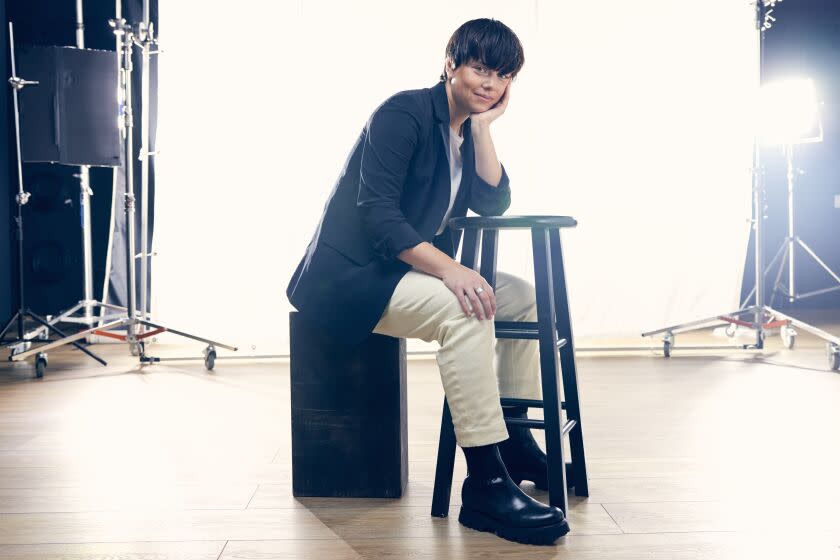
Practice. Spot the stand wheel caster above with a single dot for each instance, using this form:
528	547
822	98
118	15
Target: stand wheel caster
40	365
760	338
667	343
788	335
209	358
731	329
137	348
833	351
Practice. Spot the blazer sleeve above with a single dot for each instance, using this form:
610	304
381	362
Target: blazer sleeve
393	133
487	200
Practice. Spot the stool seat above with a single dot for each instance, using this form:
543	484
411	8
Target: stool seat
511	222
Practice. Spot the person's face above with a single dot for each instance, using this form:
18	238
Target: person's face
477	88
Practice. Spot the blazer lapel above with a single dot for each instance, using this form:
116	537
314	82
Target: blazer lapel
468	159
441	115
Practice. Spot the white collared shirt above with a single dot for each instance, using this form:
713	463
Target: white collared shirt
456	165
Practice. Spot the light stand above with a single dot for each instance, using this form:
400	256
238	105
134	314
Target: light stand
763	316
787	251
88	303
137	329
146	38
23	342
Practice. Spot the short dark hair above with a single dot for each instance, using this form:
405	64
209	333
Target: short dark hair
488	41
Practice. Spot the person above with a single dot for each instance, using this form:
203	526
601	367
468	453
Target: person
382	260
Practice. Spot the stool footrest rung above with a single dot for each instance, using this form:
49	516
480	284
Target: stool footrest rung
538	424
526	335
526	422
530	403
524	330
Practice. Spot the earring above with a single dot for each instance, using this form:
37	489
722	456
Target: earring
452	80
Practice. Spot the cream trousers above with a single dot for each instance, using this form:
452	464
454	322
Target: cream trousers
423	307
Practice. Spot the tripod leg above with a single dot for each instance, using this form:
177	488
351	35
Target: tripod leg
747	299
819	261
64	335
54	321
779	276
766	272
782	249
8	325
68	339
186	335
112	307
693	324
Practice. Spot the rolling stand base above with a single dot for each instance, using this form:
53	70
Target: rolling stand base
138	330
771	319
22	345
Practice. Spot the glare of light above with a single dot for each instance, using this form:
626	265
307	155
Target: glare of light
789	111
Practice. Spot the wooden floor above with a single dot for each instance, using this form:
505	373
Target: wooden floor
721	456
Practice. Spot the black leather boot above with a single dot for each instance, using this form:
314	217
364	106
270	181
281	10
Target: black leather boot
522	455
491	502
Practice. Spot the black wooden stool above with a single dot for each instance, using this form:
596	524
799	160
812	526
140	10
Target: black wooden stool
553	329
349	429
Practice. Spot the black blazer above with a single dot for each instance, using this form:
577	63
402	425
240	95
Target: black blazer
391	195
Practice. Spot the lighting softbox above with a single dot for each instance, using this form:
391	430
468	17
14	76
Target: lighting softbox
70	116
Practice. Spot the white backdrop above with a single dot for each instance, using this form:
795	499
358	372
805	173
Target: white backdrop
630	116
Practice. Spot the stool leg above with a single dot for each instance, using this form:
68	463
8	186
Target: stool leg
445	465
548	370
470	248
567	366
489	254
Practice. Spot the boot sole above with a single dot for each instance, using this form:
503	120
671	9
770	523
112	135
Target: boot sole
526	535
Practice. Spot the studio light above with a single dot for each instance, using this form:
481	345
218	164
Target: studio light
790	112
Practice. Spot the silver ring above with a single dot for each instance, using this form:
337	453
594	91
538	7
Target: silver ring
479	290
